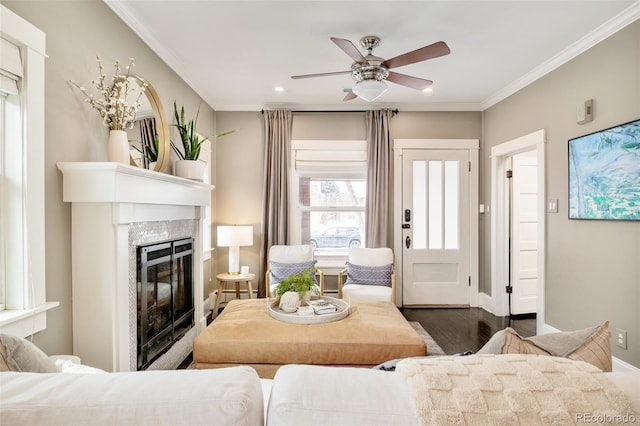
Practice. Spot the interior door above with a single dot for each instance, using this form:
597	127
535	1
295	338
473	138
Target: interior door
524	234
435	227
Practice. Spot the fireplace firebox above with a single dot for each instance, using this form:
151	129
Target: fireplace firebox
165	297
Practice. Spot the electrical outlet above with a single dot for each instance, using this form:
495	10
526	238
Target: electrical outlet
621	338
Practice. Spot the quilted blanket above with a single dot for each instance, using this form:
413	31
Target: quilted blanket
512	390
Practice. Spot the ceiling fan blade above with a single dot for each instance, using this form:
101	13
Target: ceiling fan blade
428	52
324	74
409	81
348	48
350	96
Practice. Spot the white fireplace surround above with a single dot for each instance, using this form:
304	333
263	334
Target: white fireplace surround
109	203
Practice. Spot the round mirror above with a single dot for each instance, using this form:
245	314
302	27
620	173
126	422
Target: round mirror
154	150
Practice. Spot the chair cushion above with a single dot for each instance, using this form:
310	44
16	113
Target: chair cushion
369	275
18	354
294	253
368	293
371	256
282	270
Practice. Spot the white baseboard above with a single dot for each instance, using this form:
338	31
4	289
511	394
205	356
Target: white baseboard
485	302
618	365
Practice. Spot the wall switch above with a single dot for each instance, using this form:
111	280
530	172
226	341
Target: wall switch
621	338
584	112
481	208
552	206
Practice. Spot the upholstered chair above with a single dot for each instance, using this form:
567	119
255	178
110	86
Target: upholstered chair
286	260
369	275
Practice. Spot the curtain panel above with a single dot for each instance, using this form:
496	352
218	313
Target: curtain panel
277	134
378	178
147	137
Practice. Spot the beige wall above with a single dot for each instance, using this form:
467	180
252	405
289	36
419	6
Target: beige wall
593	267
76	32
239	169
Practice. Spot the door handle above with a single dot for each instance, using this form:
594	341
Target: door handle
407	241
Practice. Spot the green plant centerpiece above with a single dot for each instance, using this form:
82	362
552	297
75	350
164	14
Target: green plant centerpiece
299	283
191	141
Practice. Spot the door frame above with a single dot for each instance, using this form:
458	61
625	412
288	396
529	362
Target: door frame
499	301
473	147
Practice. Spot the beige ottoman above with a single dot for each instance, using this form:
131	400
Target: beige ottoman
245	334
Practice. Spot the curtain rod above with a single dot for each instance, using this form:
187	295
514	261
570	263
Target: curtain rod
394	111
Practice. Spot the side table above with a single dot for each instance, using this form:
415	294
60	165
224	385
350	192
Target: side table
237	278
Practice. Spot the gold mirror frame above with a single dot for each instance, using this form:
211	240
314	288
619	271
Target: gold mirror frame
162	125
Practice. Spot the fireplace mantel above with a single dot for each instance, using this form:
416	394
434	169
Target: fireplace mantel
118	183
107	200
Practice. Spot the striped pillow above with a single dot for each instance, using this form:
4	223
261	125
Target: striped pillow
369	275
589	345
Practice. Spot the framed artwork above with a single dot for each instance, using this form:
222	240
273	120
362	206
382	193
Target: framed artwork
604	174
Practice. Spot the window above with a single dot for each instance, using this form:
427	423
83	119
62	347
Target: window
329	190
22	250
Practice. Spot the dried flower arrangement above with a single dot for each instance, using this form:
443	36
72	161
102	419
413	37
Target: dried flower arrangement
111	102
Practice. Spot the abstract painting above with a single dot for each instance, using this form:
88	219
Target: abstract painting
604	174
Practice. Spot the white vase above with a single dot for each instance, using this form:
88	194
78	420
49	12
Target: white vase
290	301
118	147
189	169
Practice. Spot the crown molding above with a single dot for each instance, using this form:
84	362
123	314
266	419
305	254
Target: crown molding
615	24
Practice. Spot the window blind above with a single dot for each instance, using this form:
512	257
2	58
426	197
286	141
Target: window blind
10	67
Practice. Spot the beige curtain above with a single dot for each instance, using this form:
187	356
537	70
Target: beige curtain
277	135
378	178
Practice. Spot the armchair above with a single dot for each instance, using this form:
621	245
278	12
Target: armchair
370	275
285	260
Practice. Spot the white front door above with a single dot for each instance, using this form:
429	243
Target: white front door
524	233
435	227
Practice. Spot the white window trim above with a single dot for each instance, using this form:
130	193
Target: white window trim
26	301
355	155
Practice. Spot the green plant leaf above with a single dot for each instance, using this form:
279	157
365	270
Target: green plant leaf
191	142
300	283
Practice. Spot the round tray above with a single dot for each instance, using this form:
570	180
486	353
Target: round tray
294	318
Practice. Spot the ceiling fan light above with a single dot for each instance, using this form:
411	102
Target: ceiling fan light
369	90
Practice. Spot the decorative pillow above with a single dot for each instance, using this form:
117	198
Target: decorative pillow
589	345
281	270
19	354
369	275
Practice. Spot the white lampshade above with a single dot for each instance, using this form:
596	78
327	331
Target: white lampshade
369	90
230	236
234	237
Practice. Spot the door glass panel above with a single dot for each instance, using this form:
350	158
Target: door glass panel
435	204
451	207
419	219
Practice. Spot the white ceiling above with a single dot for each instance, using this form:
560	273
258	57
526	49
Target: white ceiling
234	53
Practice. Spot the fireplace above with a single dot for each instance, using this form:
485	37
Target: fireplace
165	315
118	212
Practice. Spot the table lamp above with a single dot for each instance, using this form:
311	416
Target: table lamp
234	237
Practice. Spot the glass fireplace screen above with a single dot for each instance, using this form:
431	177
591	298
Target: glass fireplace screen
165	297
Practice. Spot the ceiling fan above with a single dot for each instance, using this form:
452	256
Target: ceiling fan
371	71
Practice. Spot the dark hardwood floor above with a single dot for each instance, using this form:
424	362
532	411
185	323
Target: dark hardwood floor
459	330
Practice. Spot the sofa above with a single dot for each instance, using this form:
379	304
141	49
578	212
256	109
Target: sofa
298	395
509	388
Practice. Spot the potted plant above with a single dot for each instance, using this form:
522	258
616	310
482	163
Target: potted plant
300	285
188	165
